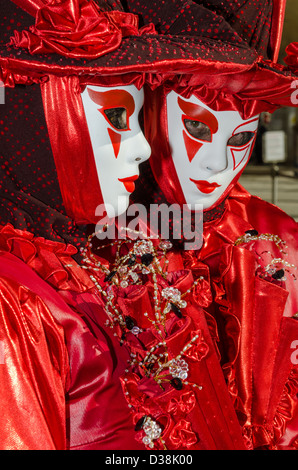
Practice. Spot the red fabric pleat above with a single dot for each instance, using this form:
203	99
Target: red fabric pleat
71	147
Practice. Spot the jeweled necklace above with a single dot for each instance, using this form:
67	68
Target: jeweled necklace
144	260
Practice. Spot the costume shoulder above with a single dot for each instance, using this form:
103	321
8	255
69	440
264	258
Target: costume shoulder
262	215
34	366
269	218
275	233
59	367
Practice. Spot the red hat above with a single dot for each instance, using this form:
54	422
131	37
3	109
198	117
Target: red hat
105	40
262	87
192	46
205	41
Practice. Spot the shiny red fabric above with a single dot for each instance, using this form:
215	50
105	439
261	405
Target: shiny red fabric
30	6
245	93
191	418
292	56
71	147
96	412
258	314
76	29
242	359
278	16
60	373
35	367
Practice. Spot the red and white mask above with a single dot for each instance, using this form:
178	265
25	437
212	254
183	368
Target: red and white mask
118	143
209	148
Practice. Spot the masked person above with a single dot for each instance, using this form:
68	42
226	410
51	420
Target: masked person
73	143
113	349
50	402
202	128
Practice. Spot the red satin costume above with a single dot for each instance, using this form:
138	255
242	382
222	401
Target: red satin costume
54	337
69	380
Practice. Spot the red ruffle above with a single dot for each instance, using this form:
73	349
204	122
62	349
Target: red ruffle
257	336
273	435
166	404
262	383
52	261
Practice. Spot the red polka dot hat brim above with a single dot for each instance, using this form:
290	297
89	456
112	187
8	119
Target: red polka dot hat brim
159	55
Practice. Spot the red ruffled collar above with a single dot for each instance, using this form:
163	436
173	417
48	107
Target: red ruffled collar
52	261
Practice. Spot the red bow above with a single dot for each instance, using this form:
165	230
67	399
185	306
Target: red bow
77	29
182	404
182	435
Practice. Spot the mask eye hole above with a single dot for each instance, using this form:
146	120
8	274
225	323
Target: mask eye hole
238	140
198	130
117	117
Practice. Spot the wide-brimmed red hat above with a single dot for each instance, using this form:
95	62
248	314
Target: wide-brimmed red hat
199	39
175	36
224	51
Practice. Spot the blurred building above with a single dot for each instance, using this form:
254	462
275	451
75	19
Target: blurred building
287	118
260	179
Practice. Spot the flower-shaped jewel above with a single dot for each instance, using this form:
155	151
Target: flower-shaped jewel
165	245
172	294
143	247
179	369
174	297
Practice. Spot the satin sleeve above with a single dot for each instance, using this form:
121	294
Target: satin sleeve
60	387
33	367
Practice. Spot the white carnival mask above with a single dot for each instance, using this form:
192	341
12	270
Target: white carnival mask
118	143
209	148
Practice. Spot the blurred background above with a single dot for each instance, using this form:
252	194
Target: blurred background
272	172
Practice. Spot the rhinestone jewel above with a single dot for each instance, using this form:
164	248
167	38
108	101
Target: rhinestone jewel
132	260
110	276
174	297
134	276
279	274
252	233
171	294
179	369
142	247
122	270
176	310
146	271
147	259
177	383
140	423
129	322
135	330
165	245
